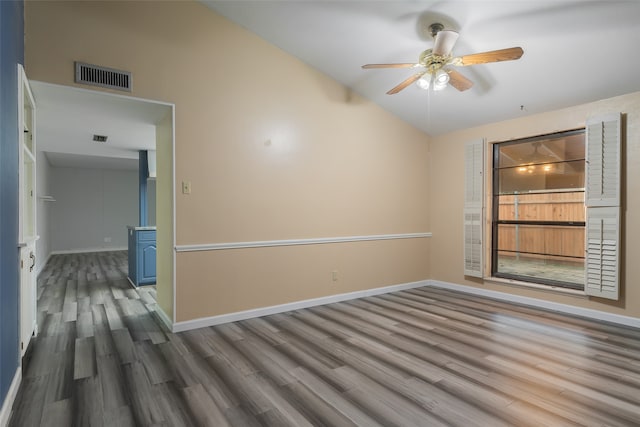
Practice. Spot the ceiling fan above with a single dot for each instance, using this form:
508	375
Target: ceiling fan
436	63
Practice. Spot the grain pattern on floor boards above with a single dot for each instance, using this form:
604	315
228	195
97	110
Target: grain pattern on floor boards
425	356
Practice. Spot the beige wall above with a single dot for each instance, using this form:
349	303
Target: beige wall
273	150
164	217
446	201
300	272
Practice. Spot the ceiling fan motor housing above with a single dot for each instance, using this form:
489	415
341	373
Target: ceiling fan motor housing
435	28
433	62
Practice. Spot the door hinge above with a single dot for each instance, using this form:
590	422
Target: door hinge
21	345
21	263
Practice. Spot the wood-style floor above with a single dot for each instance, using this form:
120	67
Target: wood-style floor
423	357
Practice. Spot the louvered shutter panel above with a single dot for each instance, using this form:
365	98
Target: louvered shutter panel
603	161
474	171
473	242
603	241
473	208
602	197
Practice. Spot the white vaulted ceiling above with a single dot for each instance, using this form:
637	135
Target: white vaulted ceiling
574	51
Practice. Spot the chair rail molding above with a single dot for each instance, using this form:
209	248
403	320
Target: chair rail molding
298	242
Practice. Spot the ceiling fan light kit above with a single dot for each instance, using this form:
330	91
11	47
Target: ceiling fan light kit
440	79
437	80
437	61
424	82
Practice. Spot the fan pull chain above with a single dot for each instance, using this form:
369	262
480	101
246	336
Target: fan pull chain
429	108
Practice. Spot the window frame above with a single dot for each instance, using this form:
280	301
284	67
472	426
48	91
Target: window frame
495	221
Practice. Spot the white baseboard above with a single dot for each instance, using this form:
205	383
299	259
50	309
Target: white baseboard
548	305
265	311
7	405
164	318
88	250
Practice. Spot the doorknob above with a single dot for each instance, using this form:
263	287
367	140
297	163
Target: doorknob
33	261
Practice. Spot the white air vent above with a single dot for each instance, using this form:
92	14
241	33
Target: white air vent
102	76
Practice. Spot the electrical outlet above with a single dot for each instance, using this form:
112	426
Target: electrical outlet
334	276
186	187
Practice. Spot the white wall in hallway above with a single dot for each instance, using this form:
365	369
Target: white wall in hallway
43	188
92	207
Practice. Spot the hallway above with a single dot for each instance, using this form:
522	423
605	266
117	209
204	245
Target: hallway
96	331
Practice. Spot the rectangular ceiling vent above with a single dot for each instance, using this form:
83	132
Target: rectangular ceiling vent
102	76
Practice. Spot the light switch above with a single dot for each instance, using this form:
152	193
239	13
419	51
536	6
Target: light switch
186	187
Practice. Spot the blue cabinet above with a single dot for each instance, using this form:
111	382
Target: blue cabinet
142	255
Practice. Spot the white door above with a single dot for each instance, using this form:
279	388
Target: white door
27	234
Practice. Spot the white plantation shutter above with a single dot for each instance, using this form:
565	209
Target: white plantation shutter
602	197
603	231
473	208
603	161
473	242
474	171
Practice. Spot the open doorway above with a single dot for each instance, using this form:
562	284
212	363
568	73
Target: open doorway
88	175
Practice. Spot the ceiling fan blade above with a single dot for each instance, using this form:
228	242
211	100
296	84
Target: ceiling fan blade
405	83
492	56
390	65
459	81
445	40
